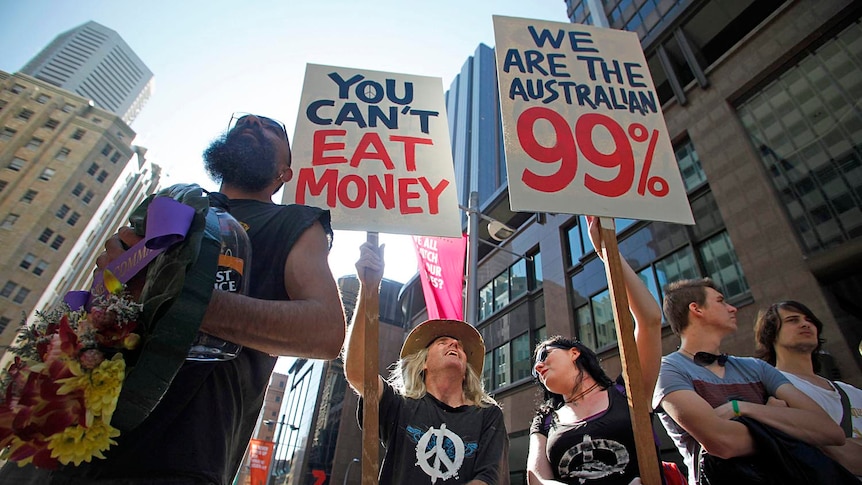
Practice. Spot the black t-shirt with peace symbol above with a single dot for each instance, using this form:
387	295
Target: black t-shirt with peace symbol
428	441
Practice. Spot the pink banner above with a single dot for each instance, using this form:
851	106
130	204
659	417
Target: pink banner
441	268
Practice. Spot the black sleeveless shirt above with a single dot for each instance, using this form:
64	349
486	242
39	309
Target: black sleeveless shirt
202	426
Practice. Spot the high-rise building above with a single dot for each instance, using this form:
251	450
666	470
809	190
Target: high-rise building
761	100
60	161
93	61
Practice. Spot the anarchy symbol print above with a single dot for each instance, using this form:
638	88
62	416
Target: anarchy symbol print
440	453
599	458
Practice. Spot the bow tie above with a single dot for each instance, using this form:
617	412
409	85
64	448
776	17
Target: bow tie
704	359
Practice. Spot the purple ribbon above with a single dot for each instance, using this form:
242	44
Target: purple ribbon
168	222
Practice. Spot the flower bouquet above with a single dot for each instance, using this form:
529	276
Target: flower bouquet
62	388
99	363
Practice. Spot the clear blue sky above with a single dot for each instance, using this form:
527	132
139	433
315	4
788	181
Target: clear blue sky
211	58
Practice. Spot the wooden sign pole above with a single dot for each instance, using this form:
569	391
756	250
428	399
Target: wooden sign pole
631	364
371	404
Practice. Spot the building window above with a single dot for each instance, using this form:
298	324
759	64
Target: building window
73	219
28	261
522	362
93	169
78	134
88	197
78	189
501	366
8	288
42	98
24	114
511	338
21	295
107	150
808	134
63	154
47	174
46	235
535	271
29	196
33	144
62	211
3	185
115	157
689	166
4	322
7	134
40	268
9	221
58	241
68	108
16	164
51	124
102	176
18	89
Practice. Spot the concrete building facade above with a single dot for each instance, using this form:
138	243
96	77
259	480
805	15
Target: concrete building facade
60	158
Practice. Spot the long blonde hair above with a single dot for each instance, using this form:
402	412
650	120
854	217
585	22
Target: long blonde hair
408	379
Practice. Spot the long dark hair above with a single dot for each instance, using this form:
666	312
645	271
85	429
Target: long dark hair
769	323
587	362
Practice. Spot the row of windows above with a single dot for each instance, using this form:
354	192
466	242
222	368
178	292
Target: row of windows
525	274
46	236
10	287
28	262
63	211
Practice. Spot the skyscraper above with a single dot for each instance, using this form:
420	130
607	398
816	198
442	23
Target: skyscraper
93	61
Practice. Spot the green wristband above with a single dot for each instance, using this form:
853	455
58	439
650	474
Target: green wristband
735	405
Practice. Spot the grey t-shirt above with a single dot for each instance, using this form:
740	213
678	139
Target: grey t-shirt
745	379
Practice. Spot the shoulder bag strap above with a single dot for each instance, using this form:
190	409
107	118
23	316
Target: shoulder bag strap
845	403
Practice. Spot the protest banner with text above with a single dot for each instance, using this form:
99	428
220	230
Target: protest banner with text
583	128
373	148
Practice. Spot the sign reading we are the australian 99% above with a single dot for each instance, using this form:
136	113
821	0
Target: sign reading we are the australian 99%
583	128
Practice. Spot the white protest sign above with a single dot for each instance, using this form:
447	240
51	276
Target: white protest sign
582	125
373	148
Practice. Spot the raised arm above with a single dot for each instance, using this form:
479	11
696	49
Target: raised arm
646	312
369	269
310	324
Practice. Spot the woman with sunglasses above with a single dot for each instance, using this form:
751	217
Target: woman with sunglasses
582	432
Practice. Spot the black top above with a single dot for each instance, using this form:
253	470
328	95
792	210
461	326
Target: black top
597	450
203	424
428	441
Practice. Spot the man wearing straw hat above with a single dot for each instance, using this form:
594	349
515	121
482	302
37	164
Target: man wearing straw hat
436	420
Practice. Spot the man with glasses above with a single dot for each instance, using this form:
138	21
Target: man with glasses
199	431
436	420
700	390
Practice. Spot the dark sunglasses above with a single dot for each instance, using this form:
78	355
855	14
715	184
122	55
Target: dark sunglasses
239	118
542	354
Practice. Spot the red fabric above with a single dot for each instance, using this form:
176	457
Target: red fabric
672	474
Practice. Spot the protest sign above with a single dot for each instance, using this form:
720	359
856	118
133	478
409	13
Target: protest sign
583	128
373	148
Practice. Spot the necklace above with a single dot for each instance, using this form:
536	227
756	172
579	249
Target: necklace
581	395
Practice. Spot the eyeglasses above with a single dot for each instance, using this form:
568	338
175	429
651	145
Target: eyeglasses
704	359
239	118
542	354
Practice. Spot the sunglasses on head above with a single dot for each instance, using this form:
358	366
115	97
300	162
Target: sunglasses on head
240	118
542	354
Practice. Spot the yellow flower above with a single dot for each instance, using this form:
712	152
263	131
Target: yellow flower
101	386
106	381
77	444
112	283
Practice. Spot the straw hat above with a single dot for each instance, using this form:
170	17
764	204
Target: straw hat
430	330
